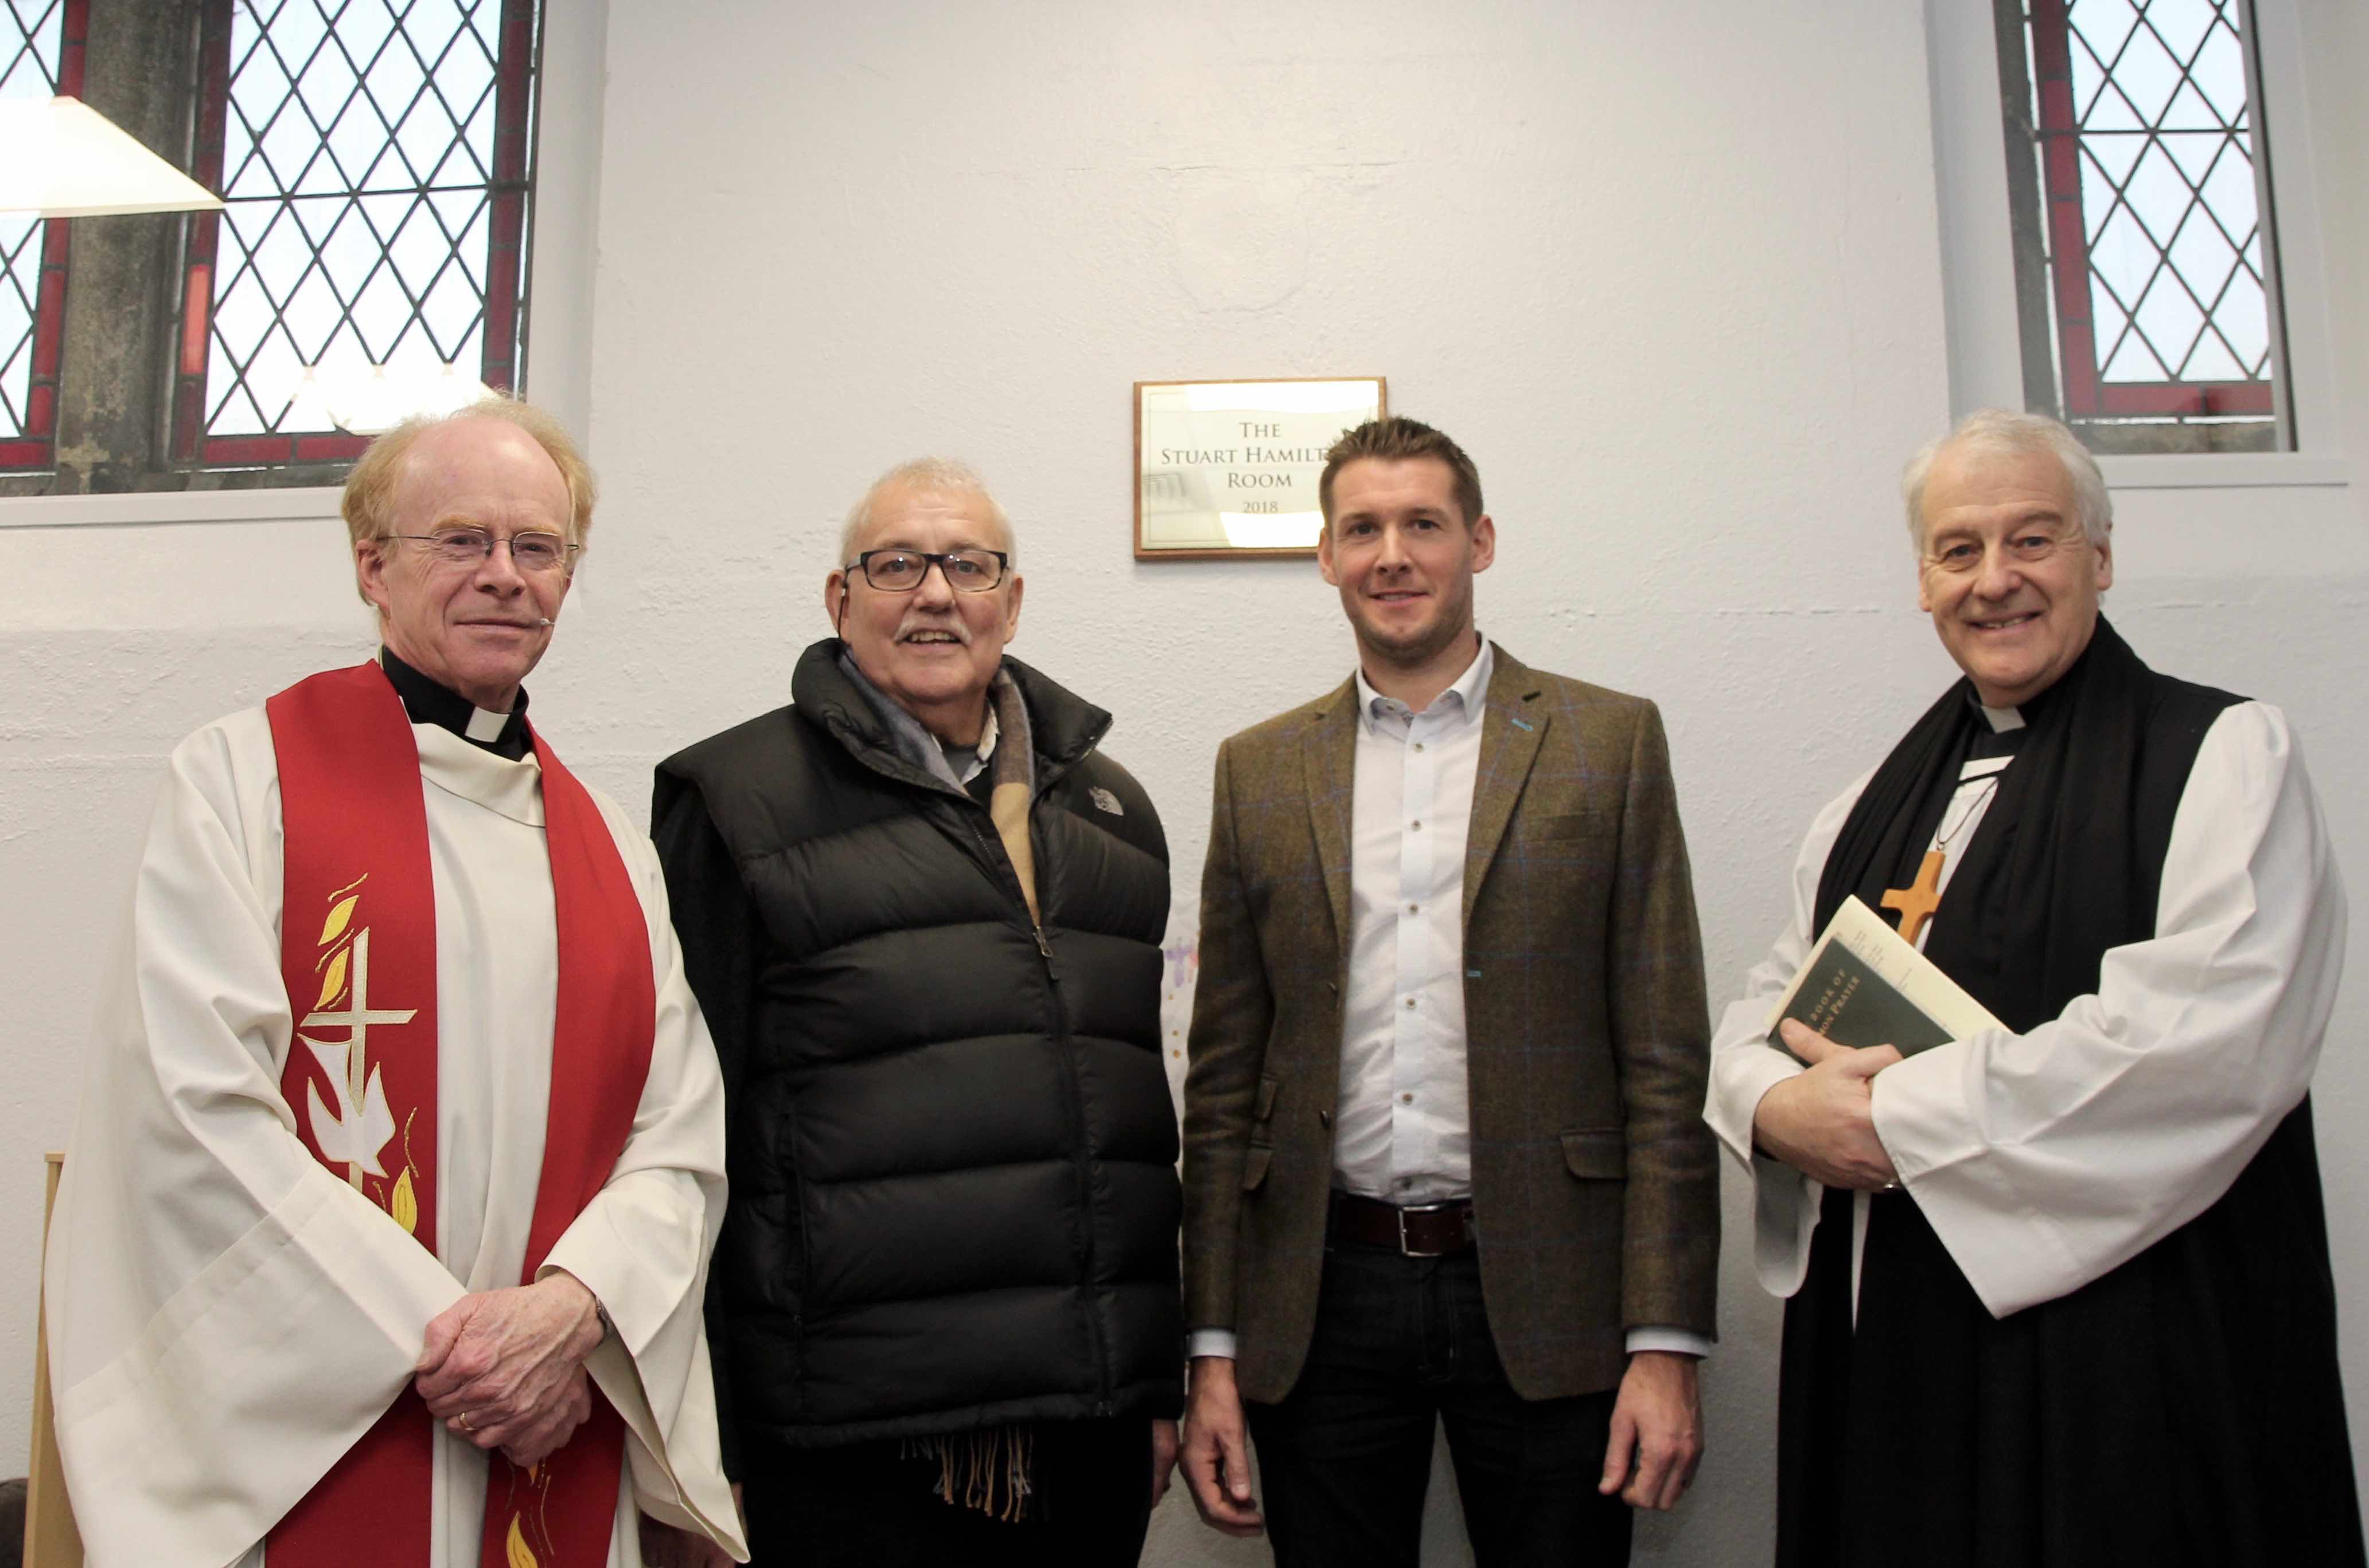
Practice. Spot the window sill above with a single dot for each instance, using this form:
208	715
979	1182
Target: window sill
2226	471
156	508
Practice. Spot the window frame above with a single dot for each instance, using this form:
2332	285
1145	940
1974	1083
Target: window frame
1982	310
188	444
2087	394
555	358
39	437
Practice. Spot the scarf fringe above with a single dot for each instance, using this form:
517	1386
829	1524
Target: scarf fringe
988	1472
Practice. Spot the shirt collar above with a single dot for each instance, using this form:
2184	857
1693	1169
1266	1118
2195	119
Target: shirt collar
1466	696
429	701
975	757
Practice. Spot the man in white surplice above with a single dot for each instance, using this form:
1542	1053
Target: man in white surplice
227	1315
2059	1293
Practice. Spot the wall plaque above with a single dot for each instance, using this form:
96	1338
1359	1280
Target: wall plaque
1227	468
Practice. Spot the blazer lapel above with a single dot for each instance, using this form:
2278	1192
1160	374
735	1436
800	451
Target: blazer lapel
1329	750
1511	728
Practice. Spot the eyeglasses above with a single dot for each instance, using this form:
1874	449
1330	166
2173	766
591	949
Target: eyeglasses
901	571
530	553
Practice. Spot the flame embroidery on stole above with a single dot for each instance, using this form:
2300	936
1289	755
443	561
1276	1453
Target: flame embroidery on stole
527	1517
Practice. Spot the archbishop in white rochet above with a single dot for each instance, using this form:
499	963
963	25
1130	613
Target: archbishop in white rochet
2058	1290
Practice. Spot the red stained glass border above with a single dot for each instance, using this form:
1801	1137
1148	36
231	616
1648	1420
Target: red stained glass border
505	261
256	451
189	399
2194	398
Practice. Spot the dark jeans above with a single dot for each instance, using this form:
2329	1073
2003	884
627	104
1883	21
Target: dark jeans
864	1506
1402	1343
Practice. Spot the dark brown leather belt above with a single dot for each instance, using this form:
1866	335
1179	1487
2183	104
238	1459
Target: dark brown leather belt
1425	1231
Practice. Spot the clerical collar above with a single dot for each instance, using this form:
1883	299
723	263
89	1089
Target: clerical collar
2000	733
429	701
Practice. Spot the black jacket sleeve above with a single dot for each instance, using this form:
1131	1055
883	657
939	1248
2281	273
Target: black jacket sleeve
717	924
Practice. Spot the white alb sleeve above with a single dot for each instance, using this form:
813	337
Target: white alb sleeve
1744	1066
2046	1158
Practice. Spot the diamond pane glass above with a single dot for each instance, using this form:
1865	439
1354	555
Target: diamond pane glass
2150	220
35	62
357	141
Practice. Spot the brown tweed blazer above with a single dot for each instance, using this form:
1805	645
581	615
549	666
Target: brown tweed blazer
1594	1187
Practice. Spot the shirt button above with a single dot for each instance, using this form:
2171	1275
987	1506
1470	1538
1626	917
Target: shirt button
1418	745
1414	908
1410	1002
1415	827
1406	1099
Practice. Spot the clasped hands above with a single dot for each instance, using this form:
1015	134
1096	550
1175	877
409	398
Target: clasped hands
504	1368
1822	1121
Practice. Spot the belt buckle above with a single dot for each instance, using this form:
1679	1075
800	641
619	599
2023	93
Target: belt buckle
1406	1249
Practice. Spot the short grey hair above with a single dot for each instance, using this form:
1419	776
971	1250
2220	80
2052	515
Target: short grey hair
941	475
2004	429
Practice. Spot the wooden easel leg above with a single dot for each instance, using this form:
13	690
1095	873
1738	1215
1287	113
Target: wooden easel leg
51	1538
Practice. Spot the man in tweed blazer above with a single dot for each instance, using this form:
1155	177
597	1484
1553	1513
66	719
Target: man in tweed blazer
1443	1153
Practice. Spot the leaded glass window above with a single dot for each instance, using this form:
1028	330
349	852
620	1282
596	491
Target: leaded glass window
2145	258
375	161
41	56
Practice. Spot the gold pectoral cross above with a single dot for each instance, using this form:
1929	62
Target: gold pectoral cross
1917	901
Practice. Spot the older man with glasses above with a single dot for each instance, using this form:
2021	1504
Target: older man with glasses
383	1232
923	912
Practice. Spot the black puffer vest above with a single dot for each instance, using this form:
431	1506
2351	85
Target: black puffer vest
953	1151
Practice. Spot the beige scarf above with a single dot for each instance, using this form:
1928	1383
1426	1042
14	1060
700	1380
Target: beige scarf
1012	770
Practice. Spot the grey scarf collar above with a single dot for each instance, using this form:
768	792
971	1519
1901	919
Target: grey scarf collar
1015	752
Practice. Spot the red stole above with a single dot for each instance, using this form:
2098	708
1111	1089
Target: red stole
357	953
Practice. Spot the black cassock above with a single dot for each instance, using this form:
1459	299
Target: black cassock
2182	1409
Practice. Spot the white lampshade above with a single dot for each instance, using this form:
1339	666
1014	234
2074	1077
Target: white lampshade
61	158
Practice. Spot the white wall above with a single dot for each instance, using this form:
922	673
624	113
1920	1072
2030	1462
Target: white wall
1670	272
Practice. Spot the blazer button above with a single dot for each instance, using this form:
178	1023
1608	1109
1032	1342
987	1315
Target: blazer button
1325	1120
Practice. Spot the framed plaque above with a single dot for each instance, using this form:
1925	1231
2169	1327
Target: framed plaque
1229	468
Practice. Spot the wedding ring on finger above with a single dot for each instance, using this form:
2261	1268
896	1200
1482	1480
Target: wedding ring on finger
466	1425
